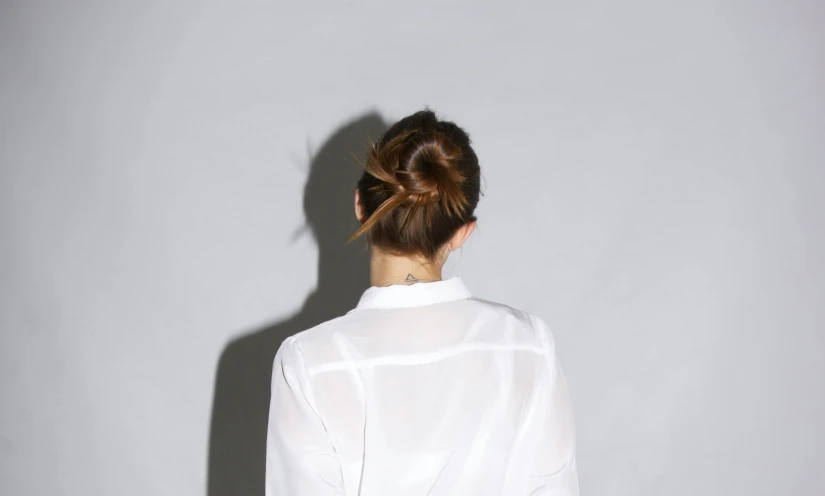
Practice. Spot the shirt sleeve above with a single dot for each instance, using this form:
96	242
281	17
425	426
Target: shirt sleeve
300	459
554	470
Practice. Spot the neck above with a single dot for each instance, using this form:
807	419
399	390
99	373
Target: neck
388	269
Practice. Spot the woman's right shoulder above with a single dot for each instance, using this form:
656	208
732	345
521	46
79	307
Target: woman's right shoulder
524	320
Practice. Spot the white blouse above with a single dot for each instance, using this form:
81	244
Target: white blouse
421	390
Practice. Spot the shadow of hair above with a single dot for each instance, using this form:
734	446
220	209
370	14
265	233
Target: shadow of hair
240	409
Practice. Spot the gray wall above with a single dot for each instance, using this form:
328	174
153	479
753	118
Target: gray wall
175	193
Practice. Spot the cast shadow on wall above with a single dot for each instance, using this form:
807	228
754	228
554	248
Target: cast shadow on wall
237	438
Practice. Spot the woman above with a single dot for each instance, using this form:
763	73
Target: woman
421	389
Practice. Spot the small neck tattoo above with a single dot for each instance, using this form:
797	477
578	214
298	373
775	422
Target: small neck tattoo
410	279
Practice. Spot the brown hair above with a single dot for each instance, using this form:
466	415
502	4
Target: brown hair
421	182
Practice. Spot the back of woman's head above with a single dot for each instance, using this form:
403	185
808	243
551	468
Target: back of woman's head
421	182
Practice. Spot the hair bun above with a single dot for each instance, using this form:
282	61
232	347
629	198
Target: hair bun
429	173
421	181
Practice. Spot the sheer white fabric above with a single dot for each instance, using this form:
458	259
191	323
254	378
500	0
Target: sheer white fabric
421	390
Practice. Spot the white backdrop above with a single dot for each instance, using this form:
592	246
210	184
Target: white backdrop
175	192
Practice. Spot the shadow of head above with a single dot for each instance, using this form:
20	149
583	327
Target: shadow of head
237	438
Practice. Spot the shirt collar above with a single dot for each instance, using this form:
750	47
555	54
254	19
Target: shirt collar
413	295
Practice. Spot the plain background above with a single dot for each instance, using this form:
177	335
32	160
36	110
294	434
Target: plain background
175	197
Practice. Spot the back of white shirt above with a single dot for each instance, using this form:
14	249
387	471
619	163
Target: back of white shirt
421	390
